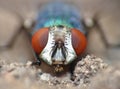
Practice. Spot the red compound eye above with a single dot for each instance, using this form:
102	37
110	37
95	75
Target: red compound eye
79	41
39	40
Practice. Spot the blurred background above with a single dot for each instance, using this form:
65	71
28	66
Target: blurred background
103	36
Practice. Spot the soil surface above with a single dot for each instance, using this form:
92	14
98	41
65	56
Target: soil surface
25	76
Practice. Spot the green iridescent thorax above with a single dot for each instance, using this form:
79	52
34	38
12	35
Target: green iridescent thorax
56	22
55	14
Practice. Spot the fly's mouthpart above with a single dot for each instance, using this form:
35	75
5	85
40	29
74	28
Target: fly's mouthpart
58	65
58	68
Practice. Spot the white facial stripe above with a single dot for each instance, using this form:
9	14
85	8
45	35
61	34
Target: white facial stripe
68	44
46	54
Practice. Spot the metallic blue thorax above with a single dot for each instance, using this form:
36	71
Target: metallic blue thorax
54	14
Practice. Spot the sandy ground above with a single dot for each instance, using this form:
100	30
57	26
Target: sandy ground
89	73
19	75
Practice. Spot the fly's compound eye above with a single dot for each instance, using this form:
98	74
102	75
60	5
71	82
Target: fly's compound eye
39	40
79	41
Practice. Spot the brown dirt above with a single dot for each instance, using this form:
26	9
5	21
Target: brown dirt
25	76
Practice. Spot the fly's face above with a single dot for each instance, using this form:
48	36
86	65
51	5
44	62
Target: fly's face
58	50
58	45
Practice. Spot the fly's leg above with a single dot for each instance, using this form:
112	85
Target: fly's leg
37	60
25	25
28	25
100	29
93	22
10	43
